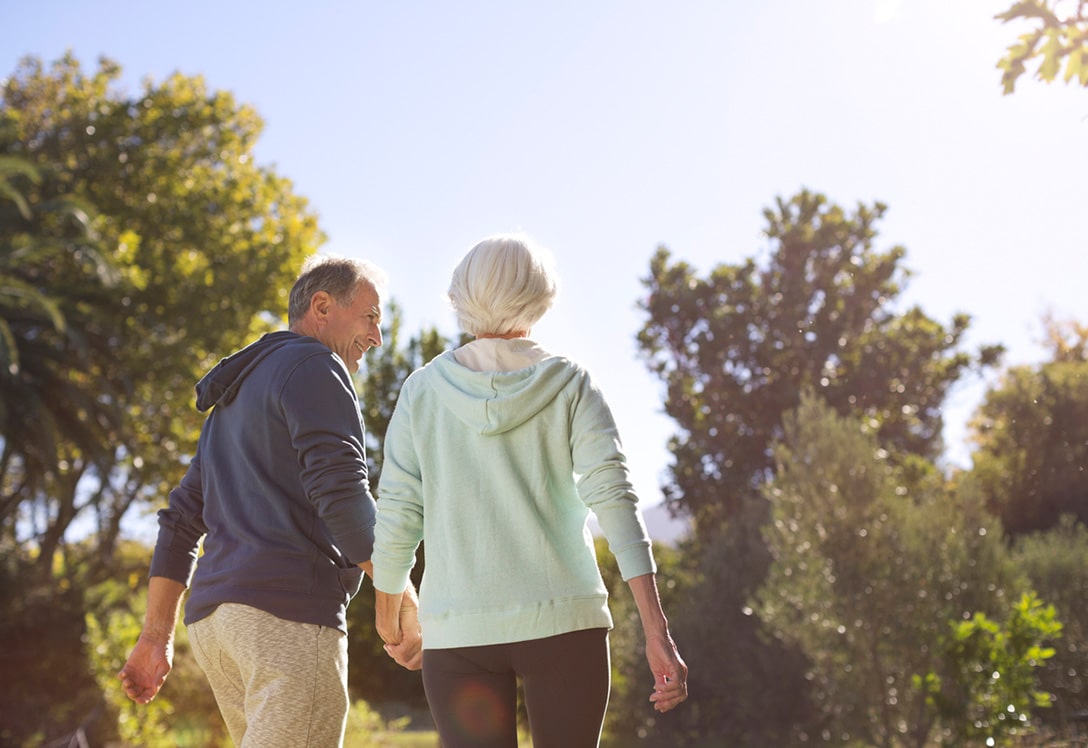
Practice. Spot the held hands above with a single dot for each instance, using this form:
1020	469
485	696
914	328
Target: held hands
397	622
670	673
146	669
408	652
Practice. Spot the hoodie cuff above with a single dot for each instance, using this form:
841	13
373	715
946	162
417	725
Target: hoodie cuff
636	560
391	581
175	565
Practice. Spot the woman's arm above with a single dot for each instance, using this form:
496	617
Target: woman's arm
669	670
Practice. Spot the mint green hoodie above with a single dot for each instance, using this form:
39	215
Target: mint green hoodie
496	472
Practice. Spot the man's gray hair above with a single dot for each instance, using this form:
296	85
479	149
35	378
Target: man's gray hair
337	276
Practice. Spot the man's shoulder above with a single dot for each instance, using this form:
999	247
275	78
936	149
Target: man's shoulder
293	348
311	359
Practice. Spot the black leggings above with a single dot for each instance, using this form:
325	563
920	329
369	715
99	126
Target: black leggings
472	691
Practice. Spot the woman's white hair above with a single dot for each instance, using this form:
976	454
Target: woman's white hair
504	284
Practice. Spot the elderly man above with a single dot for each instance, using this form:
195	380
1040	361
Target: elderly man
278	491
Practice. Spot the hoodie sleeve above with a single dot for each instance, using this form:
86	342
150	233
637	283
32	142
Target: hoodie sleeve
323	417
605	484
181	526
400	508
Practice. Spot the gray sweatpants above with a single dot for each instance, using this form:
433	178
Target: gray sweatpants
279	684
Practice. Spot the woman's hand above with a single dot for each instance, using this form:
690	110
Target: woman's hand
387	616
397	621
670	673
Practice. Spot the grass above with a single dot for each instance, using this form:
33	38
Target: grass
397	739
368	728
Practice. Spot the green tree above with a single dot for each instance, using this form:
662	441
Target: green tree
1056	39
202	244
990	684
736	349
1031	433
55	279
872	561
207	242
1056	562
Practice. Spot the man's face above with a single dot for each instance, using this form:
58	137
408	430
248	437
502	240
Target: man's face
350	331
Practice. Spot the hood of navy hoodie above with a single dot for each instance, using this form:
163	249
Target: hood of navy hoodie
494	402
220	385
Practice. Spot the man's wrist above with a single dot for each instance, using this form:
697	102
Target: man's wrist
160	636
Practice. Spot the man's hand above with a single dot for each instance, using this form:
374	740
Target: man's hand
153	656
387	616
408	654
146	669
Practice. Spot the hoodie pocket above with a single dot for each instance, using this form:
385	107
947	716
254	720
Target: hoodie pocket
351	580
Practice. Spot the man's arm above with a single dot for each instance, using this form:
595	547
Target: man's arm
153	656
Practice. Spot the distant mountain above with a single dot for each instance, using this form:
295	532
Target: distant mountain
662	527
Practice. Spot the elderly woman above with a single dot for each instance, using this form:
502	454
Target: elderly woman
495	455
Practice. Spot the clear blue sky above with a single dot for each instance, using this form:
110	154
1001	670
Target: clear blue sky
606	128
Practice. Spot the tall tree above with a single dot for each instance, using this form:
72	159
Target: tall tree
1031	433
735	350
1059	37
56	282
207	241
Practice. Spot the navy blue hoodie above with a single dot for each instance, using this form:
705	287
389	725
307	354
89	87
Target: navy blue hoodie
277	488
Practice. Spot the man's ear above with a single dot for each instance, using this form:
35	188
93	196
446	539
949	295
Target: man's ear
319	305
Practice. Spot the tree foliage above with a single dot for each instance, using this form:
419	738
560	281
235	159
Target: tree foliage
872	562
1056	562
207	243
735	350
991	687
47	691
139	242
56	280
1056	40
818	311
1031	433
